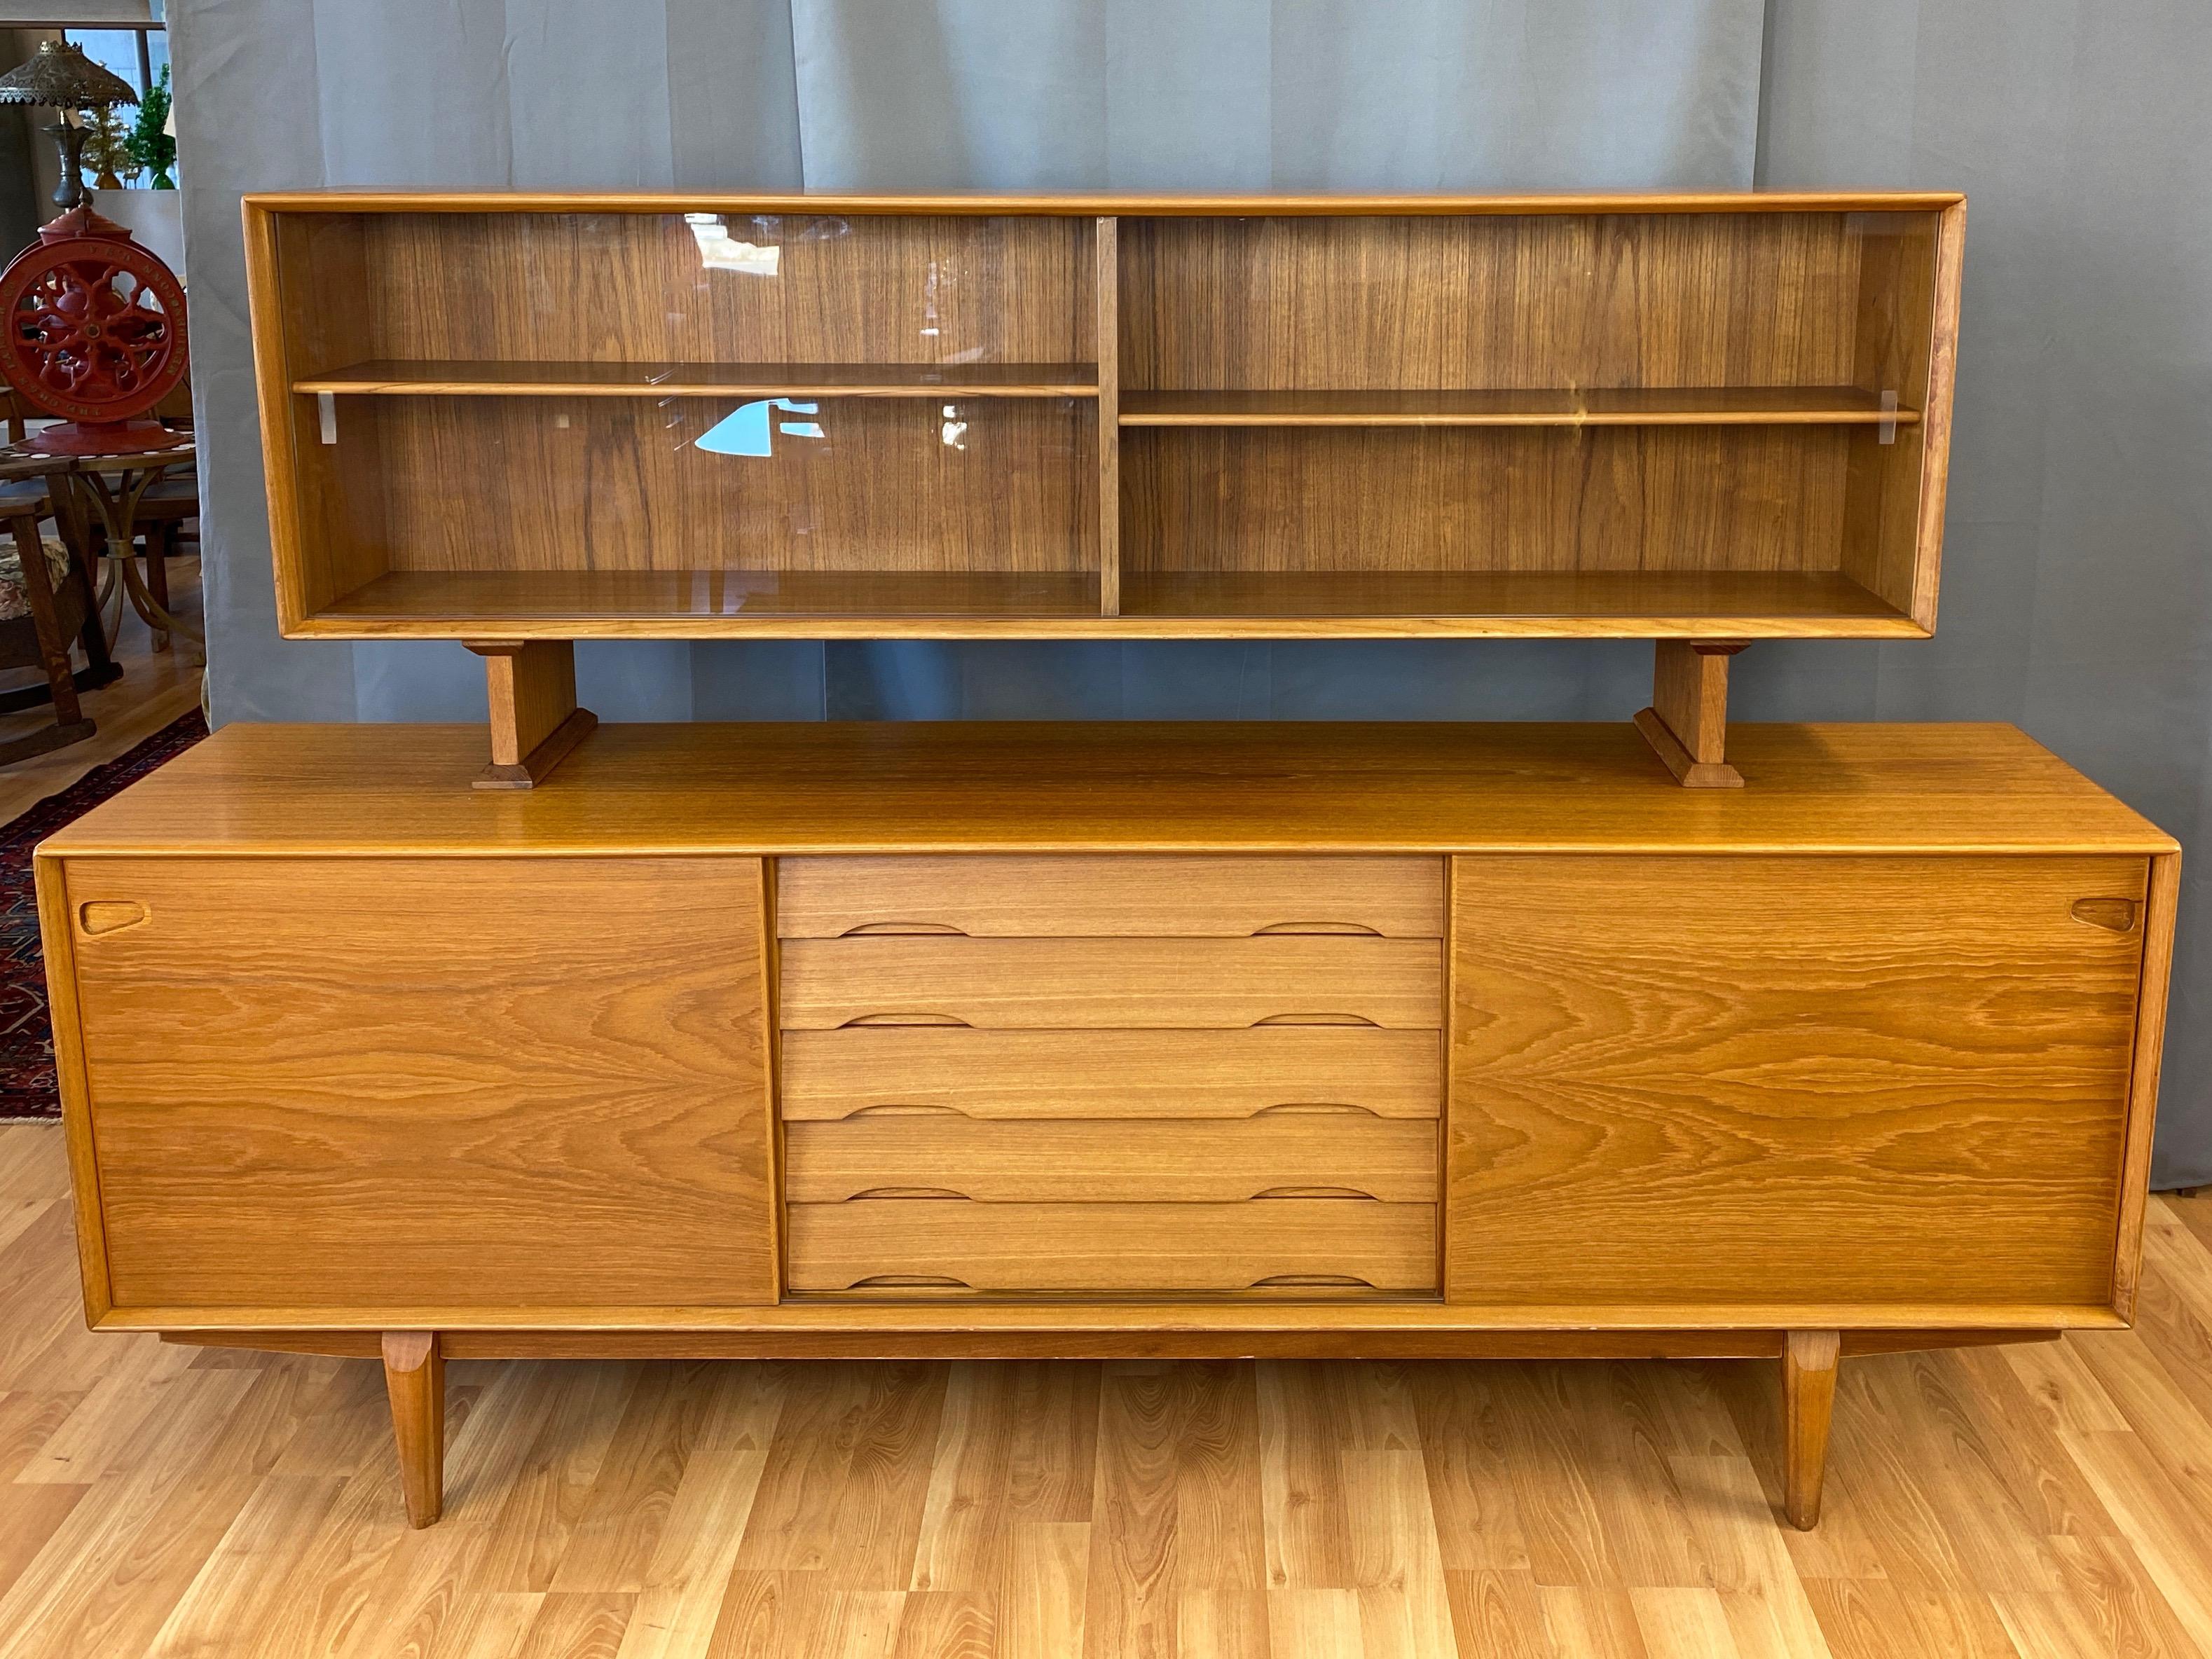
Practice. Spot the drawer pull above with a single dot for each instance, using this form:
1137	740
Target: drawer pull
1312	1281
909	1282
889	1110
98	916
1317	1192
1281	928
938	1193
2116	915
883	929
1300	1108
904	1019
1314	1019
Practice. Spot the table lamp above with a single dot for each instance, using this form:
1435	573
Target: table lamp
60	76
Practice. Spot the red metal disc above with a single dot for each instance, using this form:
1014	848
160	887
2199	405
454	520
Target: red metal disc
93	323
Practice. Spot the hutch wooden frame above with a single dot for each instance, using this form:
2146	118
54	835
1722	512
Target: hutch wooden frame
1703	419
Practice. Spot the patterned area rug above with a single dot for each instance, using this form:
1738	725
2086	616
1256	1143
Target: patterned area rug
26	1034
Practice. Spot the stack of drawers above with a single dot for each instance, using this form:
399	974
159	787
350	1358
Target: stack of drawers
1141	1074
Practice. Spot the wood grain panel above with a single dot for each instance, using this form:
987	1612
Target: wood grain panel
400	378
1112	983
1173	786
570	604
827	1075
1093	897
620	484
1334	204
326	507
1889	473
361	1081
1640	498
1099	1162
1831	405
1686	1080
1624	300
613	288
1112	1247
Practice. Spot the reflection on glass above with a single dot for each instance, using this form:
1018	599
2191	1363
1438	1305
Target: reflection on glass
719	250
745	430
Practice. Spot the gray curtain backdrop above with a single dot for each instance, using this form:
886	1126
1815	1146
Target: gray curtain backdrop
2074	598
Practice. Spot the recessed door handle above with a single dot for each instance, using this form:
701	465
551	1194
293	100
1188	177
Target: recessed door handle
2116	915
98	916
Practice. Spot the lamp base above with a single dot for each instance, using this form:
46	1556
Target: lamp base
104	438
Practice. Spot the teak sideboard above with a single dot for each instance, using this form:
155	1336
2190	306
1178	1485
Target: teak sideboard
518	420
1411	1040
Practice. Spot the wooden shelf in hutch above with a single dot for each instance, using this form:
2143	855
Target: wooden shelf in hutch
1700	419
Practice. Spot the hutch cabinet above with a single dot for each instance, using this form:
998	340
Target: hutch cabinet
520	421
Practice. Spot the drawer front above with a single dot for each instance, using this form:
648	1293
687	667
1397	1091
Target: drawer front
391	1082
1715	1080
1112	983
828	1075
1116	895
1310	1245
1309	1154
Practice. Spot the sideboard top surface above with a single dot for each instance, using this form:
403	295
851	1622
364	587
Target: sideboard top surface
976	786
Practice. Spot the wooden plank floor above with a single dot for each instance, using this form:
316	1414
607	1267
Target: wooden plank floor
155	1499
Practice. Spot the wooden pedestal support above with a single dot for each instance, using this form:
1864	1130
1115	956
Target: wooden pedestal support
534	718
1688	721
1809	1402
415	1382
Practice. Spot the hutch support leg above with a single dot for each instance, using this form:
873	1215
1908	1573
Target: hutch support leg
1808	1402
415	1380
1688	721
534	718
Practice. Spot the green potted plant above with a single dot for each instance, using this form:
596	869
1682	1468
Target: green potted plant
149	143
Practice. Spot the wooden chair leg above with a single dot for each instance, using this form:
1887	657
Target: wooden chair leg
1688	721
535	721
1808	1403
158	546
415	1382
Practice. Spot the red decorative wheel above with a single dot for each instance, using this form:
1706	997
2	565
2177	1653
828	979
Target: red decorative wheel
94	332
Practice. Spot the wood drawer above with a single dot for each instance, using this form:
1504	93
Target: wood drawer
1113	895
1112	983
394	1082
1205	1161
1111	1074
952	1244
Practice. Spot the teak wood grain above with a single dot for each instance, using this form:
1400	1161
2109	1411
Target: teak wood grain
938	1246
1111	983
1836	1079
1200	787
1092	897
1092	1074
1716	385
356	1081
1209	1160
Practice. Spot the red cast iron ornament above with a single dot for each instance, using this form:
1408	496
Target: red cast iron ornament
94	332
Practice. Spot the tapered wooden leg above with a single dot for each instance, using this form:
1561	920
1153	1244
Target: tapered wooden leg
1809	1402
534	718
415	1382
1688	721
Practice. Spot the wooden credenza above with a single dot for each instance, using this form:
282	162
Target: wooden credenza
1416	1041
